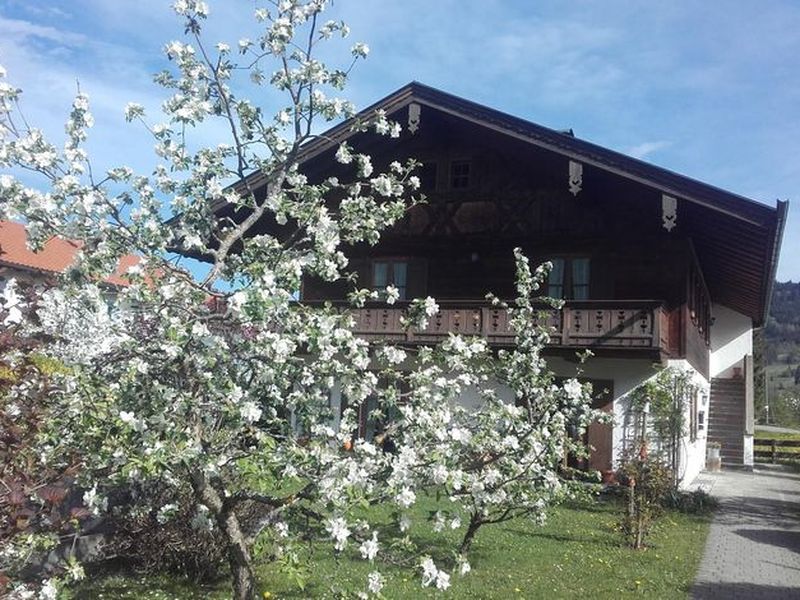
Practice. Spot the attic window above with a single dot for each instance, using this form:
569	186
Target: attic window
459	174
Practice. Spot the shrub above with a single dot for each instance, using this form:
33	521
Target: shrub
693	503
647	480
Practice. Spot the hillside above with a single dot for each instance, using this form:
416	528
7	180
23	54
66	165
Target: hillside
781	352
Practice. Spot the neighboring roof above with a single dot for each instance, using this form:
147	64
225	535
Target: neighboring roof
55	257
725	247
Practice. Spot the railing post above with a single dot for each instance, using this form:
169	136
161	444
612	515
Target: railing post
774	451
565	320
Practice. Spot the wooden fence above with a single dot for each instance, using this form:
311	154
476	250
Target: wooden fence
772	450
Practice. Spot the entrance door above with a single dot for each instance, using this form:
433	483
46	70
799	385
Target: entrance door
598	435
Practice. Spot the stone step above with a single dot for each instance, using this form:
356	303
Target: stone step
726	399
727	444
726	428
731	402
723	429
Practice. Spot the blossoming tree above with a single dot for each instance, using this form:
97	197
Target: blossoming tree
224	395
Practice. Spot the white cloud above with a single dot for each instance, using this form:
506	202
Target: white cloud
644	149
19	31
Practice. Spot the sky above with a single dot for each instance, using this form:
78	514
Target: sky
707	92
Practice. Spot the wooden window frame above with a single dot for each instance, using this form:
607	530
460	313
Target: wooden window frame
451	176
390	260
568	285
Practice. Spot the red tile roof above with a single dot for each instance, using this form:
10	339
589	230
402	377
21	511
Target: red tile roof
56	256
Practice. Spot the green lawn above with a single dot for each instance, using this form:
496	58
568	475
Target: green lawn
577	554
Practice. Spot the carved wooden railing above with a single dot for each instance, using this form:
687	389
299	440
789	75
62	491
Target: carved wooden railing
584	324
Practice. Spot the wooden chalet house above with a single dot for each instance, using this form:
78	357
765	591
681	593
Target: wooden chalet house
654	267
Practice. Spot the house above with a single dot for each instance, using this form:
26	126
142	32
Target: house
19	262
654	267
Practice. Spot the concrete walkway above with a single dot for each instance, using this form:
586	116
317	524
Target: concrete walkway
753	548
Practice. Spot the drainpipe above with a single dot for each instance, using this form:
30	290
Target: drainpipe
749	411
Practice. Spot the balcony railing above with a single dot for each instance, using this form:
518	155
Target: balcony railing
585	324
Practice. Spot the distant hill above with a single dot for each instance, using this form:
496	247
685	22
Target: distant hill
781	354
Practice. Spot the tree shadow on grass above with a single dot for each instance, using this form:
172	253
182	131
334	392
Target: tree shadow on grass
599	540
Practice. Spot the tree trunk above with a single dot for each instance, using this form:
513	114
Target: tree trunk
239	559
474	524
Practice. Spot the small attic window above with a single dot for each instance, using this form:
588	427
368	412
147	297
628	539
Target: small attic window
460	174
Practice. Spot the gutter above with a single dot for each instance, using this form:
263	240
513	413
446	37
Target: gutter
782	210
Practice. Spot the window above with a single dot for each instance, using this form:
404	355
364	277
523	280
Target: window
385	272
569	278
459	174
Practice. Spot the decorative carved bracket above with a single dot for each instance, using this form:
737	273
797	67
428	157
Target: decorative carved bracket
669	212
414	111
575	177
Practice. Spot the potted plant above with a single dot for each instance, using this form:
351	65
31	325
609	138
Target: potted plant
713	459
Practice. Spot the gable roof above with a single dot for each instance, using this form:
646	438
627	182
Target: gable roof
55	257
741	255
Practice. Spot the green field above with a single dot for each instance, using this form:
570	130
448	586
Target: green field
578	553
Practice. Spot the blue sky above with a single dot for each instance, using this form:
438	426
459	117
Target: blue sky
707	89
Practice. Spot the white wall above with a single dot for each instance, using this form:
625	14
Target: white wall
693	453
627	374
731	341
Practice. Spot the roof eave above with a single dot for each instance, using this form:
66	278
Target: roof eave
782	210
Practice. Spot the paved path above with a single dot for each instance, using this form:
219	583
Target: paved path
753	548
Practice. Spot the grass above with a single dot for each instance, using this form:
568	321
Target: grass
577	553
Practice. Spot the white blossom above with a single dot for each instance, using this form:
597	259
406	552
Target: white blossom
281	529
339	531
369	548
250	411
406	497
392	294
49	590
574	389
166	512
375	582
360	50
463	565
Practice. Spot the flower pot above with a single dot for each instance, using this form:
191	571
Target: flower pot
713	459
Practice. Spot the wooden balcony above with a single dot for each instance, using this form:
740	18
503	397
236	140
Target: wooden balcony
615	324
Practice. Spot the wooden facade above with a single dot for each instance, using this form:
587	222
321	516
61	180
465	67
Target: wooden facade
638	281
644	292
